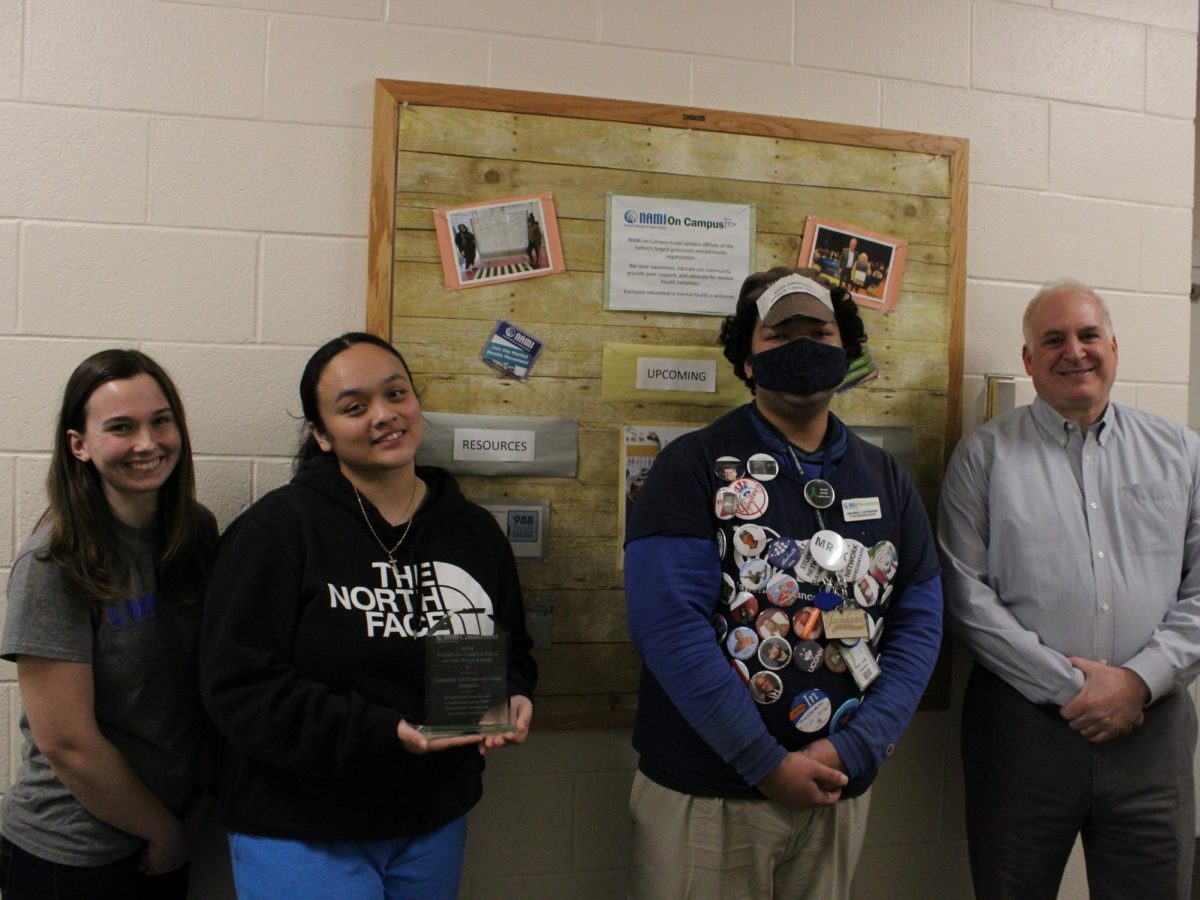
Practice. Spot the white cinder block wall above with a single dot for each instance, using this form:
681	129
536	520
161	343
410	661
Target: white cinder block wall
192	178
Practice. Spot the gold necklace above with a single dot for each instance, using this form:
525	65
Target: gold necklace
412	502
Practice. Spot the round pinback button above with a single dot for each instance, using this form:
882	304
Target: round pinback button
772	623
720	626
728	588
762	466
808	569
774	653
728	468
721	543
740	667
885	596
744	608
866	592
783	553
742	643
884	561
810	710
807	624
833	659
857	558
749	540
783	589
753	574
725	504
766	687
844	715
752	498
826	548
807	656
819	493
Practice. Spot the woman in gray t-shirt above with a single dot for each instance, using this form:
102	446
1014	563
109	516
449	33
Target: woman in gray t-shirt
102	621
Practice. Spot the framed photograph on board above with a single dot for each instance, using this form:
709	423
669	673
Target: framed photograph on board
501	240
867	264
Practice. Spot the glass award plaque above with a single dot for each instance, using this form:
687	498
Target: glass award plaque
466	685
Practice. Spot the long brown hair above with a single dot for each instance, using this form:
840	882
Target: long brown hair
83	539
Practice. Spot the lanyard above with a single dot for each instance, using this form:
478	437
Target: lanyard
815	487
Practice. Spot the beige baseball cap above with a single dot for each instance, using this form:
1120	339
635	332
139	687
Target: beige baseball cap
795	295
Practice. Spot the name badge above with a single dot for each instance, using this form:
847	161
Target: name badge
862	663
857	509
846	623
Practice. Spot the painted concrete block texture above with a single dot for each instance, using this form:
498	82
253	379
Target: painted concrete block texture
1043	53
590	70
8	276
1121	155
877	37
993	334
602	829
1181	14
1170	73
324	72
8	505
39	371
1153	336
223	485
906	799
31	493
1009	135
785	91
1166	250
259	176
11	24
572	20
313	289
503	839
342	9
1167	400
72	164
240	400
137	282
1021	235
577	886
755	31
133	54
270	474
574	751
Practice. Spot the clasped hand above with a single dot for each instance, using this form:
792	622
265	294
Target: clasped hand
1109	704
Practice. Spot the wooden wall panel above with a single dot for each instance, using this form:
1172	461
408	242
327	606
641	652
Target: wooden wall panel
444	145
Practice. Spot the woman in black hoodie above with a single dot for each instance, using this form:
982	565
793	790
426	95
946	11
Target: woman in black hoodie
312	658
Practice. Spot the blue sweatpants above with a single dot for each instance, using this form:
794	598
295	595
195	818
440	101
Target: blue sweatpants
427	867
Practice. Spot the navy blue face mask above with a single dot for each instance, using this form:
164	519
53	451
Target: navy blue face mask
802	366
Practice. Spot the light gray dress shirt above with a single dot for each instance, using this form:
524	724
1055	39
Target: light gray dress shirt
1056	544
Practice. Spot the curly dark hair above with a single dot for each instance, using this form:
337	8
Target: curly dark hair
737	329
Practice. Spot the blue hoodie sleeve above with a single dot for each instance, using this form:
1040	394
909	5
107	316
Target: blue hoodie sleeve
911	643
669	596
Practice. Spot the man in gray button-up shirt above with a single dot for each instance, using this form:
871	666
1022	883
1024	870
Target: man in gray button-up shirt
1070	539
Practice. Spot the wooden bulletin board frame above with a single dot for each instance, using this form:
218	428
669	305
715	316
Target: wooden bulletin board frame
443	145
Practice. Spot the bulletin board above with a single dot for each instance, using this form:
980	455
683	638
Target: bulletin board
441	145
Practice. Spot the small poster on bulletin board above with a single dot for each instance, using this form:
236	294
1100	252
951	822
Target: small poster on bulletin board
501	240
680	256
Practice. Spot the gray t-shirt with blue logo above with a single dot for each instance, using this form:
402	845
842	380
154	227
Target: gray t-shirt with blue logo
143	657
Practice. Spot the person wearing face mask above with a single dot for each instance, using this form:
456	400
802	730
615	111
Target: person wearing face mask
739	795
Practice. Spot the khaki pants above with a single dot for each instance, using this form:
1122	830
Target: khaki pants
711	848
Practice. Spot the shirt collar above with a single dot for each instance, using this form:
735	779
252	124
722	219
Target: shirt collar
1059	429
